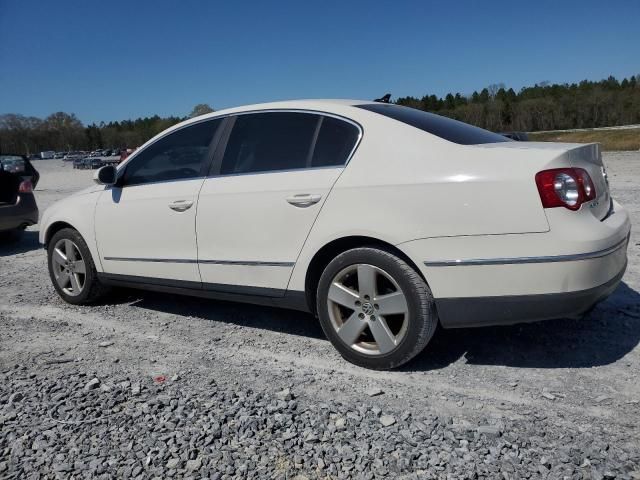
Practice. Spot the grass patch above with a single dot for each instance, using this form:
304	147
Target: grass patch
611	140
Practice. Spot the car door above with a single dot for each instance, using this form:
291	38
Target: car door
145	224
270	178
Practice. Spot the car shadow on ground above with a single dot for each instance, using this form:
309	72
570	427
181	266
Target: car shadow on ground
12	246
279	320
602	337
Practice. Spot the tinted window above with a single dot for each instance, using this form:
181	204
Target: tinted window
262	142
447	128
178	156
335	141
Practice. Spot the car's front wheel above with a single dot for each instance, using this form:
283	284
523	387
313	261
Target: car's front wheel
375	308
72	270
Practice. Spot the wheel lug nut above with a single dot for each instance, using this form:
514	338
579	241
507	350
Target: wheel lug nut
366	297
361	315
376	306
373	318
358	303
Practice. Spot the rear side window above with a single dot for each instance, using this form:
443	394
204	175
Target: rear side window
443	127
180	155
263	142
335	142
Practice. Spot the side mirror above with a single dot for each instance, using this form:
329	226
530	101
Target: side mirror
106	175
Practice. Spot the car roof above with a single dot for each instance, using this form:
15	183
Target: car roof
322	105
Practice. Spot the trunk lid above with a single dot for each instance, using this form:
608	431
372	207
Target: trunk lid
587	156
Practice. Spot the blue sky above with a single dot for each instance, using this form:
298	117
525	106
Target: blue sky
113	59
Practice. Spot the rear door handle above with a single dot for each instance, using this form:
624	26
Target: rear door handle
181	205
304	199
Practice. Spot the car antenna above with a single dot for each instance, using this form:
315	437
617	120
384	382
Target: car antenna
385	99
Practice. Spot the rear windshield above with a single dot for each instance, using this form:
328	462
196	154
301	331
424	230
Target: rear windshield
443	127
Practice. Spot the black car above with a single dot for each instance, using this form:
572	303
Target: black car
78	162
18	208
95	162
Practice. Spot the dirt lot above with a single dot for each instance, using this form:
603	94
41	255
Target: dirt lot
196	388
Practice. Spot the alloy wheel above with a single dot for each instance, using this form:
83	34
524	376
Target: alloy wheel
69	267
367	309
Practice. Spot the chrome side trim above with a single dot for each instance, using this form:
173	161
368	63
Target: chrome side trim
152	260
215	262
521	260
248	263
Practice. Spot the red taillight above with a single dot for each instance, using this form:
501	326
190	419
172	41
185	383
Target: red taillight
565	187
25	187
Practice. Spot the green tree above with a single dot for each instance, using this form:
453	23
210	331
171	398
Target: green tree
200	109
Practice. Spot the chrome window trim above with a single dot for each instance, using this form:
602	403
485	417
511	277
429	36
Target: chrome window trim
267	172
137	152
297	110
523	260
173	180
122	166
249	263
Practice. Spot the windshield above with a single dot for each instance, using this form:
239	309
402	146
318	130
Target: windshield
443	127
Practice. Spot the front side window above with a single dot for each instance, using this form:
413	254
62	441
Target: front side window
177	156
263	142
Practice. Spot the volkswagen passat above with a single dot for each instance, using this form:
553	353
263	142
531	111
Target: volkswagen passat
380	219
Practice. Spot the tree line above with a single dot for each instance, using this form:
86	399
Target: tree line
63	132
544	106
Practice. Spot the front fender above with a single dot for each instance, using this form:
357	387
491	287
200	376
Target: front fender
77	211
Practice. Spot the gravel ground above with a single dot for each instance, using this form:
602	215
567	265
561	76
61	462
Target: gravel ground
153	385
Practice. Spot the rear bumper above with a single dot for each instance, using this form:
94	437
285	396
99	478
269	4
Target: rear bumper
23	213
508	279
513	309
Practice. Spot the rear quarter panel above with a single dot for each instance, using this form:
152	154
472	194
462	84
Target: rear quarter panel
404	184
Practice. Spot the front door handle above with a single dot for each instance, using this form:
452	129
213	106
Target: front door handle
304	199
181	205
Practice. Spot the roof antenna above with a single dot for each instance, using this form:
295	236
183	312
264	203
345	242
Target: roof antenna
384	99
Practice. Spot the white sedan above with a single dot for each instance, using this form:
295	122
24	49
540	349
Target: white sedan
382	220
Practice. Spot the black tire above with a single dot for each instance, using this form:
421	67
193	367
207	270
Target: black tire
92	290
422	317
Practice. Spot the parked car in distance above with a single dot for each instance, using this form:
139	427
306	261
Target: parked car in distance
518	136
124	153
110	160
18	208
380	219
73	155
59	155
78	163
13	163
47	155
95	162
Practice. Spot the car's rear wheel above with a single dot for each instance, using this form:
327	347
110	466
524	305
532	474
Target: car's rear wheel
72	270
375	308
